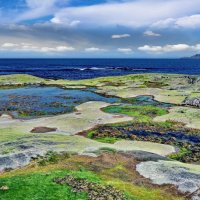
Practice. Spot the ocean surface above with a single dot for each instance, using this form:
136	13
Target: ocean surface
91	68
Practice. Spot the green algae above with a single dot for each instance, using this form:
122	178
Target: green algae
139	113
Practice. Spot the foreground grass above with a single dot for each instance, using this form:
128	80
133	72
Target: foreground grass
40	186
35	182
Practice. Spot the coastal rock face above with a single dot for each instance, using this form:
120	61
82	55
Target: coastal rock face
193	102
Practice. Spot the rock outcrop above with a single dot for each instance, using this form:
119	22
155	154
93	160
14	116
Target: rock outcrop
193	102
43	130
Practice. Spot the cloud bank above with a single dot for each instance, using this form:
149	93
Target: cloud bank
100	27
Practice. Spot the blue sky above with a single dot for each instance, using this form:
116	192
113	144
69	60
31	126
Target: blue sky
99	28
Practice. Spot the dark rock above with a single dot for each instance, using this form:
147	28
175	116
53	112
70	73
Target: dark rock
94	190
43	130
196	56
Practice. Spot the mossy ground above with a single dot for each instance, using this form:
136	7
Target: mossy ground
35	182
139	113
40	186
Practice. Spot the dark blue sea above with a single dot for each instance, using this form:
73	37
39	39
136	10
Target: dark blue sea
91	68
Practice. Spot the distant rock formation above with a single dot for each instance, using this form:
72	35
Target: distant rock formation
196	56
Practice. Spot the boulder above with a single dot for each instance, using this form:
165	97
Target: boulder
42	129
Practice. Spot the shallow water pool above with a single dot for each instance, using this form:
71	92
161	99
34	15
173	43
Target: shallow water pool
38	101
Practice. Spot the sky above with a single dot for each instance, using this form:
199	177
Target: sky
99	28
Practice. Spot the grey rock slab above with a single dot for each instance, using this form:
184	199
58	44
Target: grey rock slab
162	172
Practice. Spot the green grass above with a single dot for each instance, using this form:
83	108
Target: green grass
110	140
10	134
36	183
52	157
19	79
140	113
40	186
90	134
178	156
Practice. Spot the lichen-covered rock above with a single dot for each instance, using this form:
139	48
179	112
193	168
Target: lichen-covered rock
193	102
15	160
162	172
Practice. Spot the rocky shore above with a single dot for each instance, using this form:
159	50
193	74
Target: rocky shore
186	141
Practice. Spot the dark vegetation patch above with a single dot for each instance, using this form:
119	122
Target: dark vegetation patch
52	157
187	140
94	190
143	109
152	84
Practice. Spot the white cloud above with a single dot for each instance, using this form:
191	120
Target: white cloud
57	20
94	49
192	21
148	48
57	49
151	34
37	9
120	36
8	45
33	48
125	50
137	13
169	48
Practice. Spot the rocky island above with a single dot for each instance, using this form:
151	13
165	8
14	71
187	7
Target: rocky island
196	56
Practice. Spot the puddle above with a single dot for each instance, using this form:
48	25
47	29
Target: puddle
38	101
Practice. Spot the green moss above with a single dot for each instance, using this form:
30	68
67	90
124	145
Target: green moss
90	134
27	184
140	113
40	186
166	124
19	79
107	149
52	157
182	153
111	140
10	134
